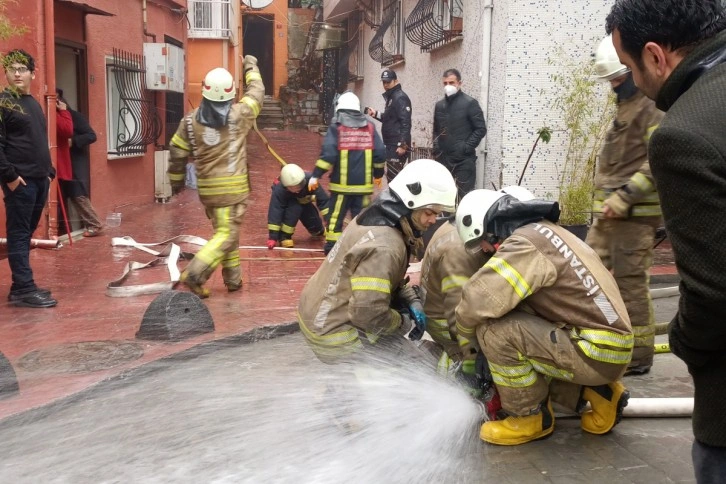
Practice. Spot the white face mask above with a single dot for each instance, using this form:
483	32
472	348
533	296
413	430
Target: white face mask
450	90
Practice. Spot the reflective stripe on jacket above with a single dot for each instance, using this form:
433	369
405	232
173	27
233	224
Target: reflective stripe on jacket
545	269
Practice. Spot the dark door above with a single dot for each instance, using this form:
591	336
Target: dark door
258	40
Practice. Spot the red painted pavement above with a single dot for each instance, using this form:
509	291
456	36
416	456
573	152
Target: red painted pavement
78	276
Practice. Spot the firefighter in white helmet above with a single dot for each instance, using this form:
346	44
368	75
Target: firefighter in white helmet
360	289
291	201
445	268
214	138
626	205
547	315
354	153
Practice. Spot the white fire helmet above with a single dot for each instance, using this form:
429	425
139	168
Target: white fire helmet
425	183
291	175
471	214
518	192
348	100
607	64
219	85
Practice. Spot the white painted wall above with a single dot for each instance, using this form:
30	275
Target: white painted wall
523	35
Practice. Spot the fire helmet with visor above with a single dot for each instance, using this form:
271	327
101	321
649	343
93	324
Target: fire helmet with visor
291	175
425	183
218	85
607	63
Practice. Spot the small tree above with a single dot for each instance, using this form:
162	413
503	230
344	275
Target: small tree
586	112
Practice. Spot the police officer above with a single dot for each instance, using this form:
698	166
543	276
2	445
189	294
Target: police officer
396	123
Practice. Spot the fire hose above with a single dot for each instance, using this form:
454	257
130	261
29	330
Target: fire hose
169	257
38	243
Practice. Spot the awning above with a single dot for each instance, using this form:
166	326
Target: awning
85	8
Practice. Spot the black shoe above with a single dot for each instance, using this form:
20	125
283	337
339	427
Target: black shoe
637	370
34	300
16	296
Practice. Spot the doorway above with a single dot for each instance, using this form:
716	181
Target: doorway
258	40
70	75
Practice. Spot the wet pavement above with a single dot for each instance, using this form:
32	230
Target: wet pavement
80	363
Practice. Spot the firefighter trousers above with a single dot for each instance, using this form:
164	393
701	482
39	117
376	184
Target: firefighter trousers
626	249
222	248
307	214
340	205
531	358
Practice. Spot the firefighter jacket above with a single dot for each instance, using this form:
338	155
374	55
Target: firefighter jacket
445	268
220	155
545	270
459	127
623	168
282	198
355	155
354	286
396	118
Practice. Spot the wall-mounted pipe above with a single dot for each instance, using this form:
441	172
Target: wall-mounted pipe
486	56
50	113
146	24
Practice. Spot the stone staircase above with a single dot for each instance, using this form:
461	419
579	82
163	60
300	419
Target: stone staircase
271	115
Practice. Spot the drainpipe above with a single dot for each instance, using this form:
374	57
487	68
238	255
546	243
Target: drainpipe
146	32
486	55
50	103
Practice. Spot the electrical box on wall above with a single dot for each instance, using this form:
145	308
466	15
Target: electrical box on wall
164	67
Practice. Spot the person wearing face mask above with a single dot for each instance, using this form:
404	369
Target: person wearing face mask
626	206
359	293
459	127
546	314
215	136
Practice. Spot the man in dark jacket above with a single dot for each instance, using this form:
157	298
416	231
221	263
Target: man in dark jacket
396	123
677	52
26	171
459	127
355	155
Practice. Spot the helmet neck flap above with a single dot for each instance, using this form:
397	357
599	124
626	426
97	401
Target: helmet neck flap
213	113
508	214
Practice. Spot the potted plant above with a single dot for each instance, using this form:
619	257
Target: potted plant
586	109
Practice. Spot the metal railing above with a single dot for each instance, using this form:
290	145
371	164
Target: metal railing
433	23
386	46
210	19
136	124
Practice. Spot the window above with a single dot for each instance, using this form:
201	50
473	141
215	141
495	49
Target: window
386	47
210	19
434	23
131	118
355	47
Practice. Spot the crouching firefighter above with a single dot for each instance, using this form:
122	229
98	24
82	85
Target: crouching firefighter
547	315
350	297
355	153
290	202
445	268
215	135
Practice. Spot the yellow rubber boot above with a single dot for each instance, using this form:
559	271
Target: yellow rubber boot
519	430
607	403
194	286
287	243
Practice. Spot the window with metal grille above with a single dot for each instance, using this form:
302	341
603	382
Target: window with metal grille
210	19
372	12
433	23
386	47
355	47
131	119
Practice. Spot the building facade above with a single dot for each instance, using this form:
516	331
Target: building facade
95	51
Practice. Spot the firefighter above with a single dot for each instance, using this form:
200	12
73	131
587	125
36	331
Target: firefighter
291	201
355	153
445	268
626	206
215	136
547	315
350	296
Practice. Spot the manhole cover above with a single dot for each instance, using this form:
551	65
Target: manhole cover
81	357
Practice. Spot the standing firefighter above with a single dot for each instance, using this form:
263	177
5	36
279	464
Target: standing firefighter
351	295
547	315
292	201
355	153
215	135
627	202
